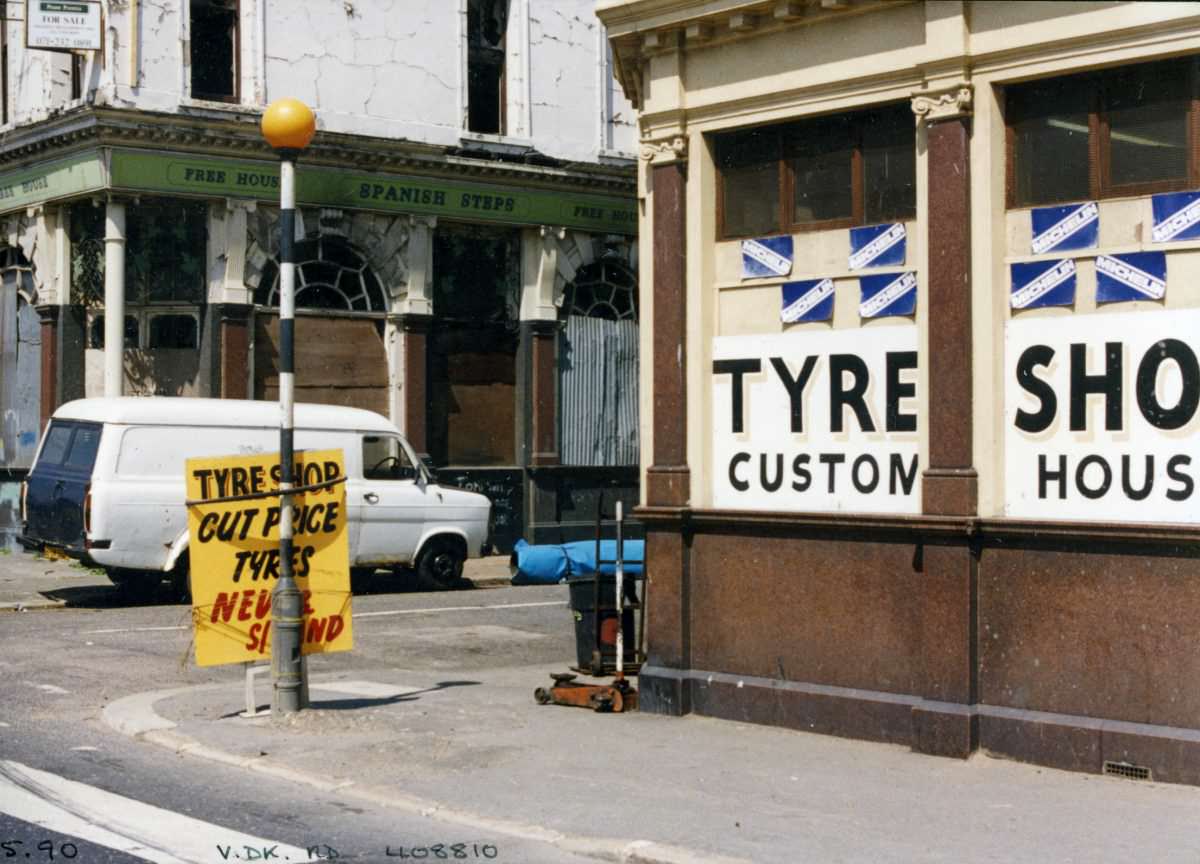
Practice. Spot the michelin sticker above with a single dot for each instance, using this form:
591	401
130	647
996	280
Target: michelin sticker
1043	283
1132	276
877	246
807	300
766	257
1058	229
888	295
1176	216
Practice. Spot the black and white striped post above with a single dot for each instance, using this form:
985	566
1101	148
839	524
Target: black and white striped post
288	126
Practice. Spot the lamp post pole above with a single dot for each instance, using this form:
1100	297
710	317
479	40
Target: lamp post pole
288	126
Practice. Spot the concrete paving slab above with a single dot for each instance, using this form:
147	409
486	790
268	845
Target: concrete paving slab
475	748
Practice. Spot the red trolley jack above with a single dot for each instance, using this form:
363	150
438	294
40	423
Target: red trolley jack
604	698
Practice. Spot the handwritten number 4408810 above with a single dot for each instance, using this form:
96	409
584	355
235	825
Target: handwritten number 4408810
46	847
443	851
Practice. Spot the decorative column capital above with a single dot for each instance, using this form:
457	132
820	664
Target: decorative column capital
945	103
661	151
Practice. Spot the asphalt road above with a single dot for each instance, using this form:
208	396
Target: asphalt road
61	666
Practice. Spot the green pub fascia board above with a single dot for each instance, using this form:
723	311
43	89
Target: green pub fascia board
50	181
200	175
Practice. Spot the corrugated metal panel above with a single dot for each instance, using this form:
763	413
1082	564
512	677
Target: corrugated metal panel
599	378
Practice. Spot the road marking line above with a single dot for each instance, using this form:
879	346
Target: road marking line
84	748
458	609
50	688
384	613
121	823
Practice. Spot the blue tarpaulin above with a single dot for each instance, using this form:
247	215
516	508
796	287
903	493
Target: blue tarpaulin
547	564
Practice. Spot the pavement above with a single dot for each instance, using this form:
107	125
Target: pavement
470	747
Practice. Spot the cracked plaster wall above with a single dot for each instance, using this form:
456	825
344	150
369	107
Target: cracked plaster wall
386	68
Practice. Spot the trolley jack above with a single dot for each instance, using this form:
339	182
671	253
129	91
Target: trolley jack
605	698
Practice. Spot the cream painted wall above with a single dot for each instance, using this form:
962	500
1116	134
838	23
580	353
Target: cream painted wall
787	71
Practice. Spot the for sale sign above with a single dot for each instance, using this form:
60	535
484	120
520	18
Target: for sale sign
817	421
1100	417
62	24
234	554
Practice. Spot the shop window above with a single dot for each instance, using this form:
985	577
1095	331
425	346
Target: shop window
173	331
214	57
166	246
96	332
826	172
486	23
1124	131
473	346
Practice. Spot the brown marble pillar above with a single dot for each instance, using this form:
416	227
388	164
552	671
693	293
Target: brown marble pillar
949	486
544	380
234	322
416	377
668	478
49	316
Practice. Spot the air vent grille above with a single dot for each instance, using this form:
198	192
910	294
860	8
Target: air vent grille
1127	770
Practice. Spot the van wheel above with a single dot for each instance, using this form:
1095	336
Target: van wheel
137	586
440	564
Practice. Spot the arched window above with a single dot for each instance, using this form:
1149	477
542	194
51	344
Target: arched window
330	274
606	289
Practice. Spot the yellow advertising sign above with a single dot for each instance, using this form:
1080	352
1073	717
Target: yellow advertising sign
235	554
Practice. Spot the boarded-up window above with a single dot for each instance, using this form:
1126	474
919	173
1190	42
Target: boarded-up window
473	346
598	367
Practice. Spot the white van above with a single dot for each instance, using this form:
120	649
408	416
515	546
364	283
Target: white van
107	485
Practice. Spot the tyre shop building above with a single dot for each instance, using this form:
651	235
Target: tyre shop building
466	265
922	381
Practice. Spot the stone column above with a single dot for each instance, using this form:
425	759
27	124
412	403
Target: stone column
948	630
49	316
949	481
114	298
412	317
668	477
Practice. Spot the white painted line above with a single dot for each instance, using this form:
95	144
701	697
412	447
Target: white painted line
121	823
84	748
367	689
3	725
459	609
356	615
49	688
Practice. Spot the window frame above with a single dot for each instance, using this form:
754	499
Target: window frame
1100	185
235	98
785	224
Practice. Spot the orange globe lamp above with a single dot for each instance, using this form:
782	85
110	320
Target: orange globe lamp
288	124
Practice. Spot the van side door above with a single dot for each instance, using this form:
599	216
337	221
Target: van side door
390	502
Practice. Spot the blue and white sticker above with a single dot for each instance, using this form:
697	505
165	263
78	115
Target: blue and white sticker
887	294
1057	229
1132	276
1043	283
877	246
766	256
807	300
1176	216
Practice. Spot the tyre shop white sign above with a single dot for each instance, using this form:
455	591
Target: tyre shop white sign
1100	416
818	422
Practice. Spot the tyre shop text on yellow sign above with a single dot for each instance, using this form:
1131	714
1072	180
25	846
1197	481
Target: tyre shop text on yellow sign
234	554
